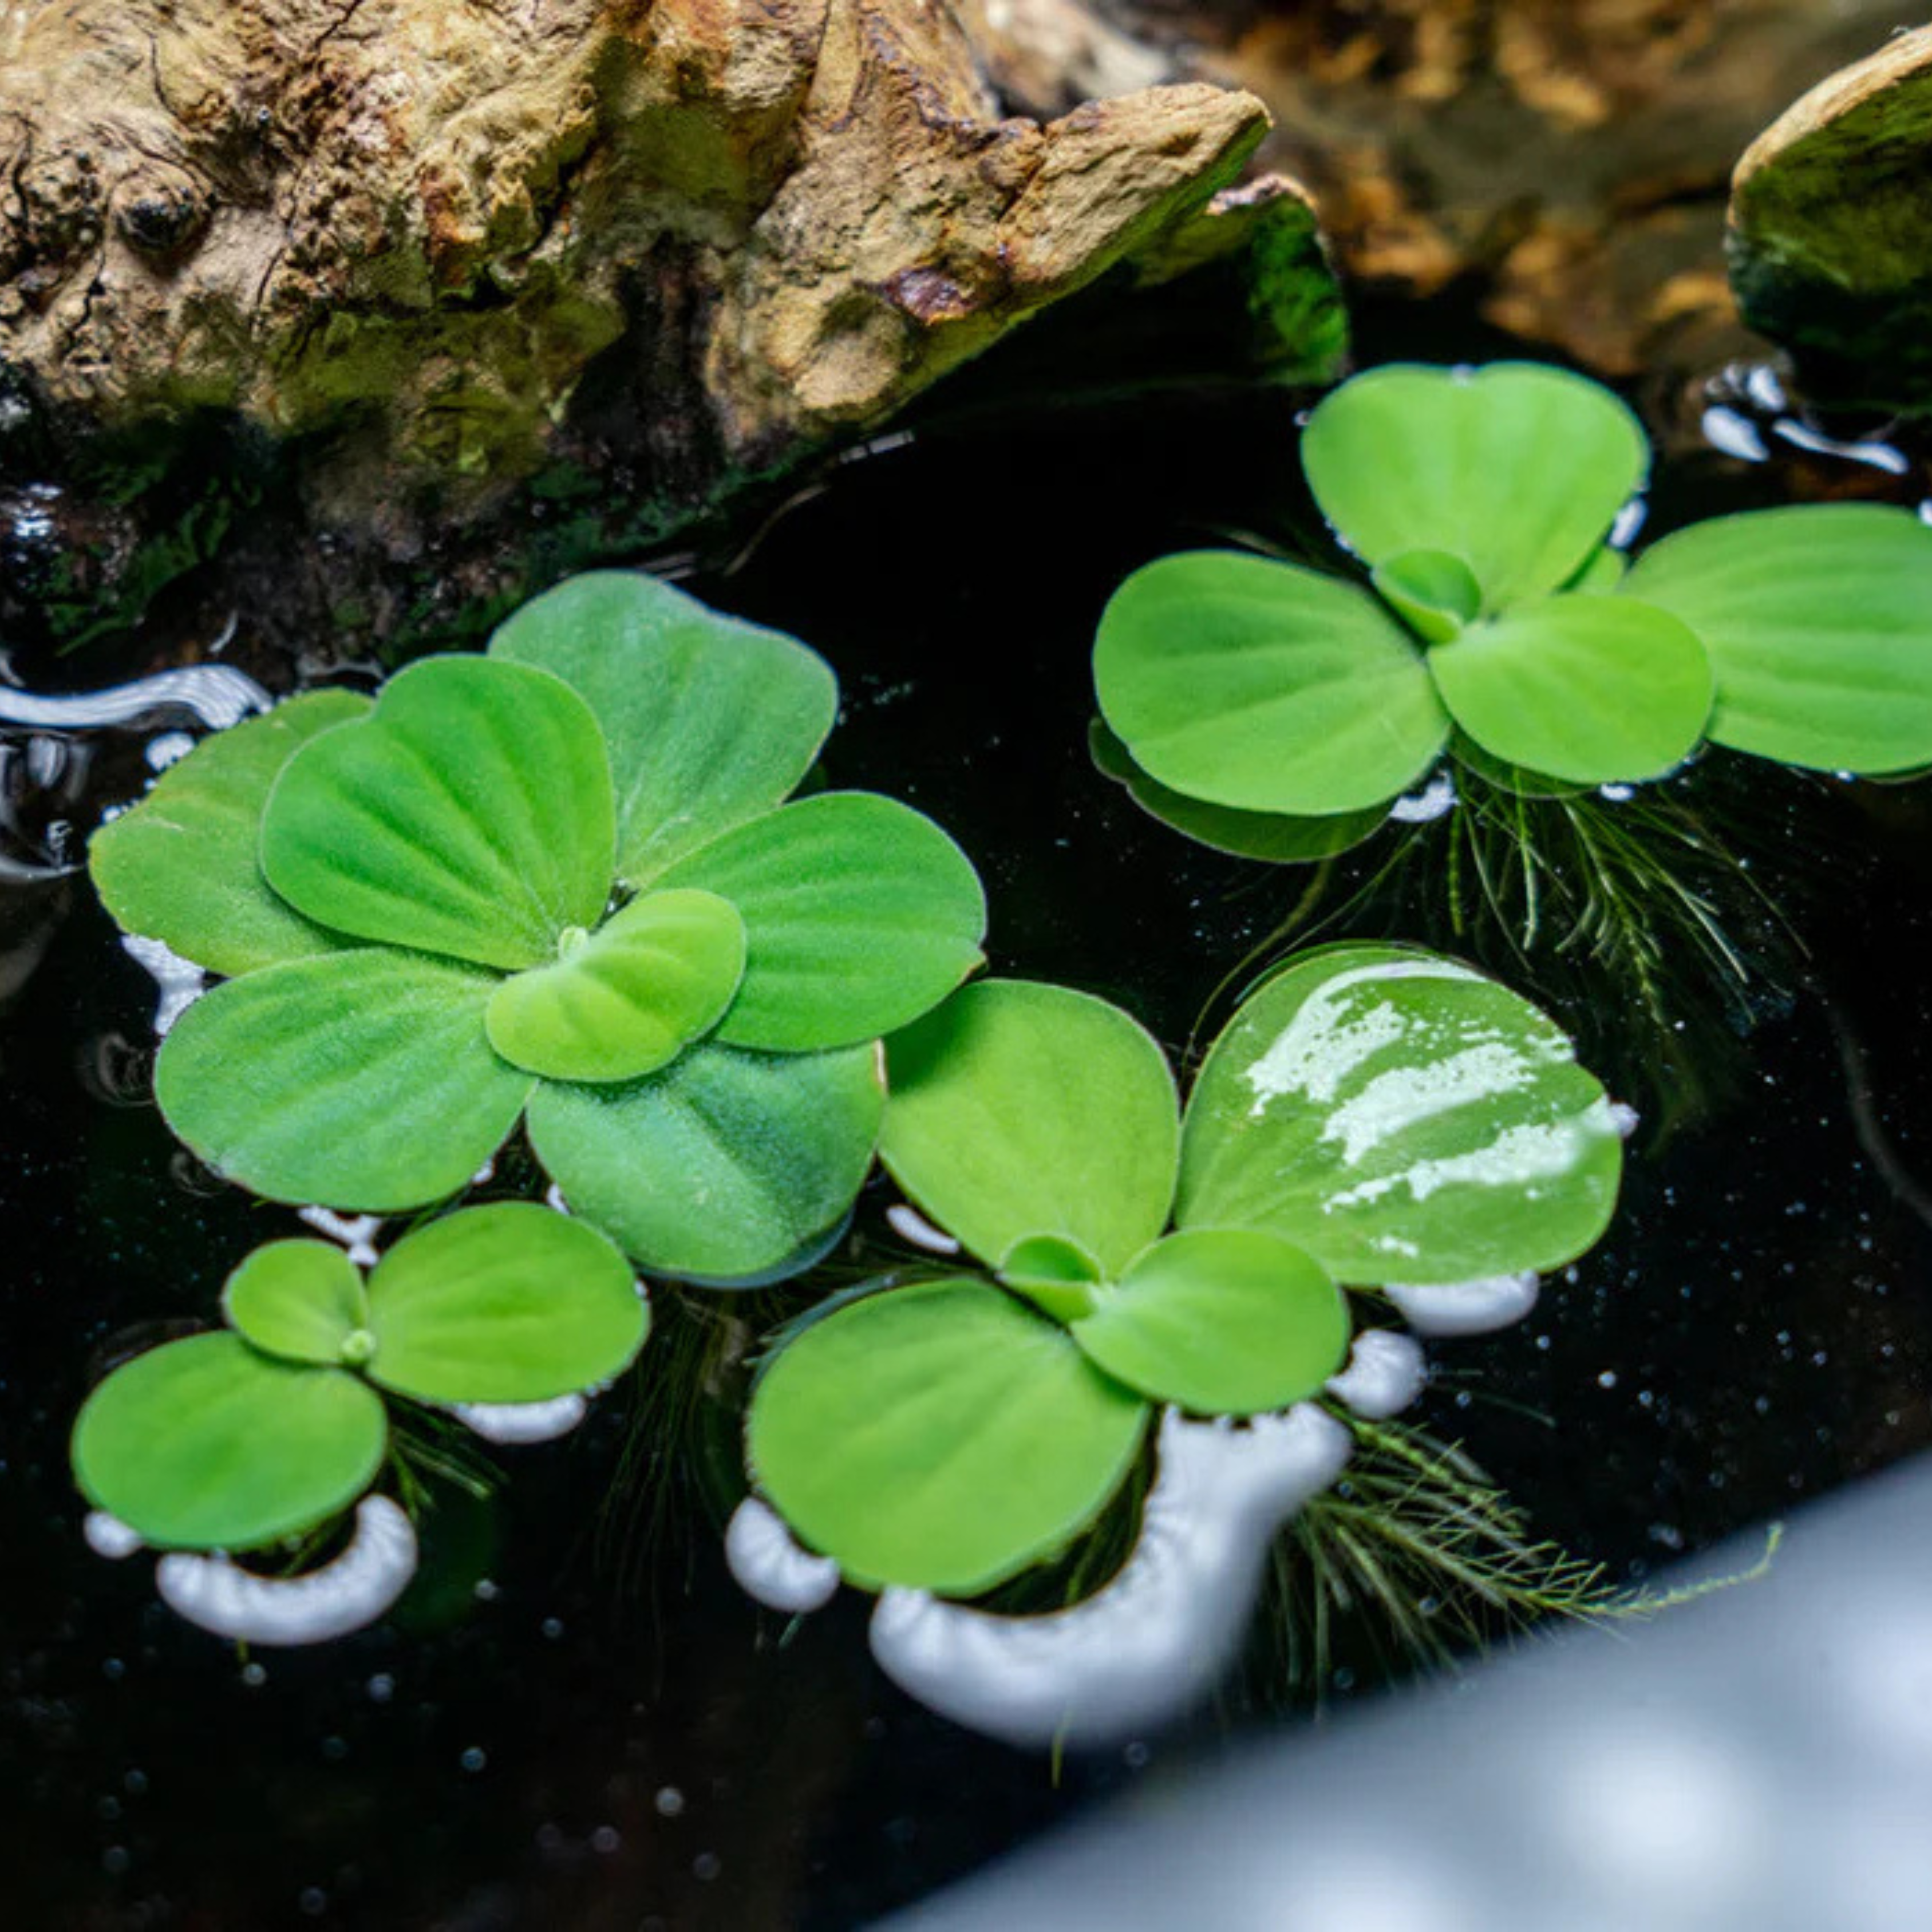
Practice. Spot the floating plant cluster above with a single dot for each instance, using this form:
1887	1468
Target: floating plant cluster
1371	1116
271	1426
1276	710
564	885
558	883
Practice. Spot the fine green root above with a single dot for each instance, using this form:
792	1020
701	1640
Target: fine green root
1412	1558
427	1450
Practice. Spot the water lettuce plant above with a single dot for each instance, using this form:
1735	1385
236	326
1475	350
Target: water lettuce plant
276	1423
1373	1116
559	883
1276	710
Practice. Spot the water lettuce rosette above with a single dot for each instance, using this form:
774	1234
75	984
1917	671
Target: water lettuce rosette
1275	710
562	882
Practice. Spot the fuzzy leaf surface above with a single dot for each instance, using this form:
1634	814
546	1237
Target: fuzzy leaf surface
859	913
183	866
1815	620
710	722
1264	686
1517	468
1589	689
656	974
301	1300
469	814
1018	1109
205	1445
1223	1320
361	1080
512	1302
728	1166
939	1437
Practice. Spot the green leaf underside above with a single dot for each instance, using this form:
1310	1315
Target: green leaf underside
939	1437
1019	1109
1261	685
859	915
1058	1276
182	866
1517	468
1590	689
655	975
710	722
1506	777
1404	1119
469	815
207	1445
723	1167
301	1300
1276	837
1223	1321
361	1080
508	1302
1815	619
1436	593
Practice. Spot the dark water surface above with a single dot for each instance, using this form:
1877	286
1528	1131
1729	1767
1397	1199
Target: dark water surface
607	1734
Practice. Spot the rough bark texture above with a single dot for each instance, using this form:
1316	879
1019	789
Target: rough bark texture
1831	228
429	213
630	248
1563	163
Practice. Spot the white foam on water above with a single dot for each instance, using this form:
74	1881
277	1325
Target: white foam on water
771	1567
1158	1637
910	1225
178	982
218	695
358	1233
108	1536
344	1595
1319	1048
1386	1372
1468	1307
1435	800
511	1422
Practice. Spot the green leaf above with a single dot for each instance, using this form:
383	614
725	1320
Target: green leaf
1019	1109
1506	777
204	1444
627	997
1058	1276
939	1437
1247	682
1276	837
469	814
728	1166
1816	620
181	866
1405	1120
710	722
302	1301
1436	593
1602	571
1586	688
1516	468
1223	1321
859	915
509	1302
361	1080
